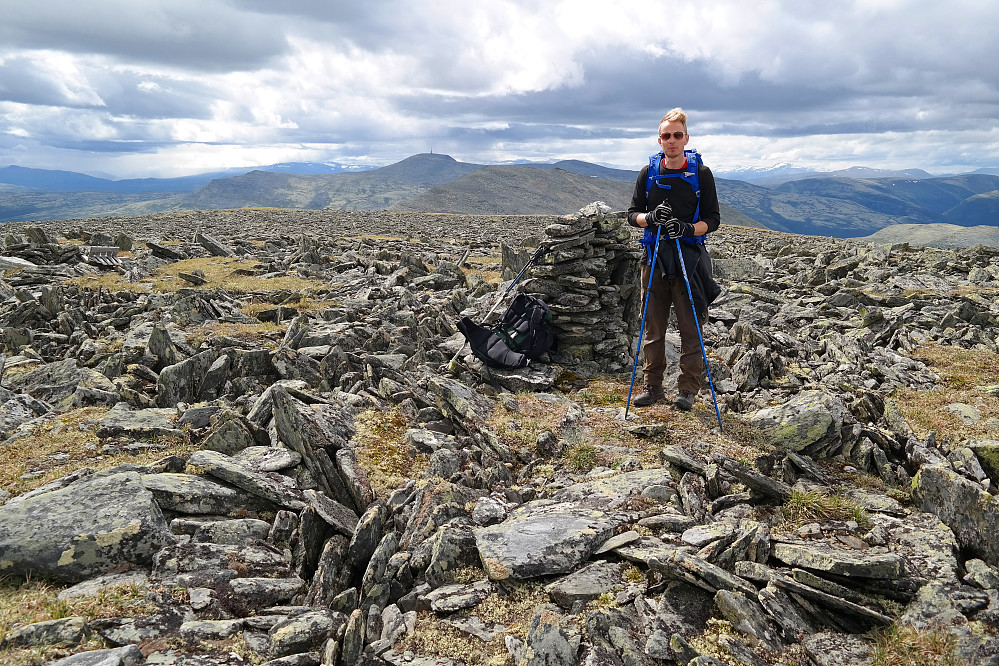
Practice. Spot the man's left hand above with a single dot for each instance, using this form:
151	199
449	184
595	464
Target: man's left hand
677	229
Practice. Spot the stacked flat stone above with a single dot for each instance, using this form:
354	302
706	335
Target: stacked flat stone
589	279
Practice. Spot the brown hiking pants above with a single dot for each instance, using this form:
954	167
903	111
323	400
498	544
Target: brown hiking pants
667	293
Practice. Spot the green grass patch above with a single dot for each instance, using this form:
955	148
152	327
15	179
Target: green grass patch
811	506
581	457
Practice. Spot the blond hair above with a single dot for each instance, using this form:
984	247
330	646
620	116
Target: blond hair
677	115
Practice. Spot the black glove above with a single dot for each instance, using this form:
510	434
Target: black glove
676	229
657	216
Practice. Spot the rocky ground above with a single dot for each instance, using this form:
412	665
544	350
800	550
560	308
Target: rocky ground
240	441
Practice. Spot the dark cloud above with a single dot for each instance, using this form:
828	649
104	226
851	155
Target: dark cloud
627	93
149	96
194	35
383	26
631	93
68	142
342	17
119	93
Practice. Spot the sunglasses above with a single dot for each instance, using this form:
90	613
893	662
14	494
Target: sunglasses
676	135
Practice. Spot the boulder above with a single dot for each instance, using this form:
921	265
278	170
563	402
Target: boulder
57	382
129	655
963	506
88	528
125	422
811	422
838	649
542	538
823	557
987	452
587	583
201	495
268	485
612	491
181	382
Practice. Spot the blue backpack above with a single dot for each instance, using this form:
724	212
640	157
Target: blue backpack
688	175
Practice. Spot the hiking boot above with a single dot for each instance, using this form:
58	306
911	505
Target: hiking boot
648	396
684	401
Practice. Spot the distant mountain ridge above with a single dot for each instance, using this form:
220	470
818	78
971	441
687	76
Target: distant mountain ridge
847	208
511	190
783	173
48	180
70	181
838	206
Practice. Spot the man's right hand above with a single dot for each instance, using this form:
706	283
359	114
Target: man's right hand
657	216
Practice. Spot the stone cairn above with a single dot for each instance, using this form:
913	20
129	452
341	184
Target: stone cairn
589	279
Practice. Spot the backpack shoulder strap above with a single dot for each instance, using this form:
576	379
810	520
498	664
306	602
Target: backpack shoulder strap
653	174
690	175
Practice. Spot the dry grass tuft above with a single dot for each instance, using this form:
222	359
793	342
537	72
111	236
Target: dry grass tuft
63	445
303	302
264	333
512	609
487	267
960	368
519	430
905	646
964	374
235	275
28	601
604	397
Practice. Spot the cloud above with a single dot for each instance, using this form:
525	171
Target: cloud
893	83
46	79
188	34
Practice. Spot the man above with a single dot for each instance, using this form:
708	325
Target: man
673	205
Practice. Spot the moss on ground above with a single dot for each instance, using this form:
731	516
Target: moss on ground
63	444
383	453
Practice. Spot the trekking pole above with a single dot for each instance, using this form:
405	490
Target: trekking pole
540	252
641	331
693	309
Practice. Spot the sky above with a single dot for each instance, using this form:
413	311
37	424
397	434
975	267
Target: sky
128	88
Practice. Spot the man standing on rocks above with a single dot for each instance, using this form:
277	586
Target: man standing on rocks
671	202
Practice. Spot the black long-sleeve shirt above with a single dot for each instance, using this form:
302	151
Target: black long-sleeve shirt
683	201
